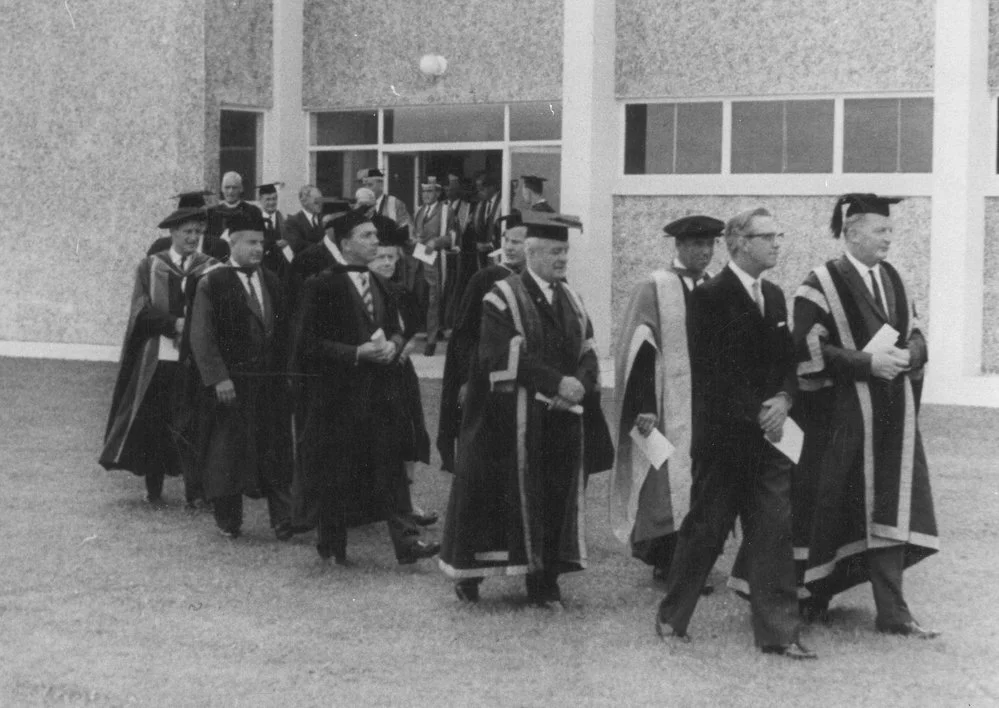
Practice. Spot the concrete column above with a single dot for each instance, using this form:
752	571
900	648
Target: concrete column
591	140
286	125
961	127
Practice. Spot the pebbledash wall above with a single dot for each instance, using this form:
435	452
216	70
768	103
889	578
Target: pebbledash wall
109	110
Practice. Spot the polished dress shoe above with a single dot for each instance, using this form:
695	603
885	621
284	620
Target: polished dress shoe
327	552
666	632
467	590
417	550
814	609
229	533
424	518
909	629
794	650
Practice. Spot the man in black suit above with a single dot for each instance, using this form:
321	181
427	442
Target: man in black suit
305	228
743	376
239	334
275	259
347	332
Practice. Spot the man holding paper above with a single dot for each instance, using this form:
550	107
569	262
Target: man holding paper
743	377
649	496
149	432
347	334
516	505
434	227
867	510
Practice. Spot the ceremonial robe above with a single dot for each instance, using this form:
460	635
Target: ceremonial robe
864	481
355	418
481	229
653	374
434	228
248	447
460	351
517	499
150	428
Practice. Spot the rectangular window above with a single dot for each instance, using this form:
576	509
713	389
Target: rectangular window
344	128
238	146
673	138
782	136
536	121
444	124
888	135
335	171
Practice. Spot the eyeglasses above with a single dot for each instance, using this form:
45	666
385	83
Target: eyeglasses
771	237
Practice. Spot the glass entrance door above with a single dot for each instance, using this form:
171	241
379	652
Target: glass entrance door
407	170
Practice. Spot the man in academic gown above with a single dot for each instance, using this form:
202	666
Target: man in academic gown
209	245
479	238
386	205
465	337
516	504
866	512
653	372
347	333
150	429
433	230
304	228
743	380
532	190
239	332
232	204
455	196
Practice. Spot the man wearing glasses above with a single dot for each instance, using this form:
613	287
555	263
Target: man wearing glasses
743	376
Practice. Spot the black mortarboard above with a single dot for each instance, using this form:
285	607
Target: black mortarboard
389	232
243	221
371	172
334	205
859	204
182	216
191	200
697	226
541	224
533	183
271	188
347	222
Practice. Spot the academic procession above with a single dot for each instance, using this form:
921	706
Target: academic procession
661	248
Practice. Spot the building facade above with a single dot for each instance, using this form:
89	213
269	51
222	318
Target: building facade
637	111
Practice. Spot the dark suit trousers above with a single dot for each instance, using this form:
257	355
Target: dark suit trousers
375	451
228	510
750	479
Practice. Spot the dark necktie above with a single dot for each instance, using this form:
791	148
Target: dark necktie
557	302
877	291
369	303
183	264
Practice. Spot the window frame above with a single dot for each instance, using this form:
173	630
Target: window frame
727	183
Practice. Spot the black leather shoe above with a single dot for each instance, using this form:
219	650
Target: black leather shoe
430	349
909	629
794	650
814	609
229	533
418	550
421	518
467	591
156	501
668	634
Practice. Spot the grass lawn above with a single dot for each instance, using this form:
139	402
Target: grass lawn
105	601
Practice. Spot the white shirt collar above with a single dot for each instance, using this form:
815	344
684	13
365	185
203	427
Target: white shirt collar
745	278
861	268
334	250
546	287
175	257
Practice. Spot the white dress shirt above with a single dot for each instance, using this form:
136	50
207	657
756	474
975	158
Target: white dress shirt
864	271
546	288
687	280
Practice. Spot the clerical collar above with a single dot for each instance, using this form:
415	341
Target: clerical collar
334	250
227	205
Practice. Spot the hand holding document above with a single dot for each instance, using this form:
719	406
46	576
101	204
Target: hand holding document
656	448
577	409
168	349
883	340
421	253
791	441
